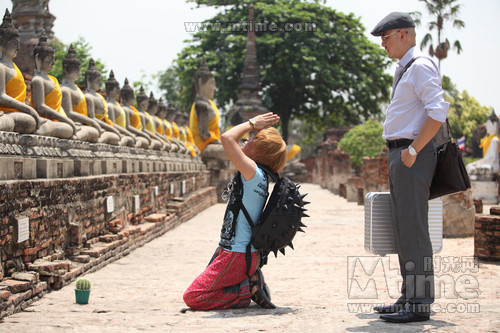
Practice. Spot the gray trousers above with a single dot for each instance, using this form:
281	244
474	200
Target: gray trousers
409	199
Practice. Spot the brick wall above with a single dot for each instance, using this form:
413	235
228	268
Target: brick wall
487	235
332	170
64	214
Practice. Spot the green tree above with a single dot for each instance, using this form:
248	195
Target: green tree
442	11
363	141
83	52
323	70
465	115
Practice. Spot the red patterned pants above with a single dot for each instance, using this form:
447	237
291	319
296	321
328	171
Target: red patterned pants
223	284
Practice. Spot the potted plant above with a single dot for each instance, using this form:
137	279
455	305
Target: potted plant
82	290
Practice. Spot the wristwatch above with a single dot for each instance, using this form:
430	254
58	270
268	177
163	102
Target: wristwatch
252	122
412	151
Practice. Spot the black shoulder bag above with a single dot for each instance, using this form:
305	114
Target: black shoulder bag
450	175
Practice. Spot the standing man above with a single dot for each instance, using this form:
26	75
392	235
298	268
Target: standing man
415	114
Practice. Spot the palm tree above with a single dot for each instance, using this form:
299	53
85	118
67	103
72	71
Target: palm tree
442	10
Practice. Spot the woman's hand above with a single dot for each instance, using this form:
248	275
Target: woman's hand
265	120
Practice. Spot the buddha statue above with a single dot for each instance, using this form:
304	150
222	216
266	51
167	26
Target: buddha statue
97	108
147	120
171	113
204	115
119	116
73	100
170	116
185	134
175	144
487	166
135	122
158	123
15	114
46	95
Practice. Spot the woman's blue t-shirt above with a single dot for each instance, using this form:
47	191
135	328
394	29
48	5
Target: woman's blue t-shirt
254	198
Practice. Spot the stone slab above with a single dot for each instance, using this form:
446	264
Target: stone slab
54	168
17	167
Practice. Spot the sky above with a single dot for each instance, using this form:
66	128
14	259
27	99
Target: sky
142	37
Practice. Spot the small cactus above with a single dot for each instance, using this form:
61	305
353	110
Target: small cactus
83	284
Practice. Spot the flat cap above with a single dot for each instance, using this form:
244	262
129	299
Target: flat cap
394	20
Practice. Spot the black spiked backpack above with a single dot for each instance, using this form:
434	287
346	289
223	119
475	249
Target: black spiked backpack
280	219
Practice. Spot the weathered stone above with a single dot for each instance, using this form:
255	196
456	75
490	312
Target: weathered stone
458	215
81	258
486	190
31	277
4	294
352	186
108	238
49	268
16	286
159	217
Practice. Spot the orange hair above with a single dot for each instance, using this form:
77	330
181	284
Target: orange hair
270	149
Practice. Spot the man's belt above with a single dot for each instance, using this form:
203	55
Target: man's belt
398	143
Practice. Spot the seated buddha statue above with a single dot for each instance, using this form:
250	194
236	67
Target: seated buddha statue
15	114
119	116
485	168
147	120
204	115
175	144
185	134
73	100
158	123
97	108
46	95
135	122
170	116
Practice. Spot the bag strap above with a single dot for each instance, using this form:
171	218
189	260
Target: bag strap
401	75
449	129
248	252
408	66
274	176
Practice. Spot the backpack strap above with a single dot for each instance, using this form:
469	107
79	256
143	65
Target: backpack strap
248	252
274	176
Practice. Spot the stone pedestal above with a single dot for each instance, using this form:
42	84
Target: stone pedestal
486	190
54	168
458	215
17	168
352	186
221	169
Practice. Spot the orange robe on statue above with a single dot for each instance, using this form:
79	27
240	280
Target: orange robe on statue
135	119
54	98
15	88
213	127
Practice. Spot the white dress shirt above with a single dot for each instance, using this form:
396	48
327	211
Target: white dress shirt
418	95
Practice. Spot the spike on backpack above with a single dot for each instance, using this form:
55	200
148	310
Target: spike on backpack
281	218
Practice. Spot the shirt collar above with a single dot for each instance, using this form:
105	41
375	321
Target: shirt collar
412	52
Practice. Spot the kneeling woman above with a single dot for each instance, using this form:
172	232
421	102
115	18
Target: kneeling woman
225	283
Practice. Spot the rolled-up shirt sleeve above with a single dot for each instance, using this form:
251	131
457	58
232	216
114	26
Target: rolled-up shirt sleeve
429	91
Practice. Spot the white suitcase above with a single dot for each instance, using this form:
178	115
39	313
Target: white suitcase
379	237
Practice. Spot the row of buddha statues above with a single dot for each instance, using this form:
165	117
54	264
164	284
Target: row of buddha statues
66	112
